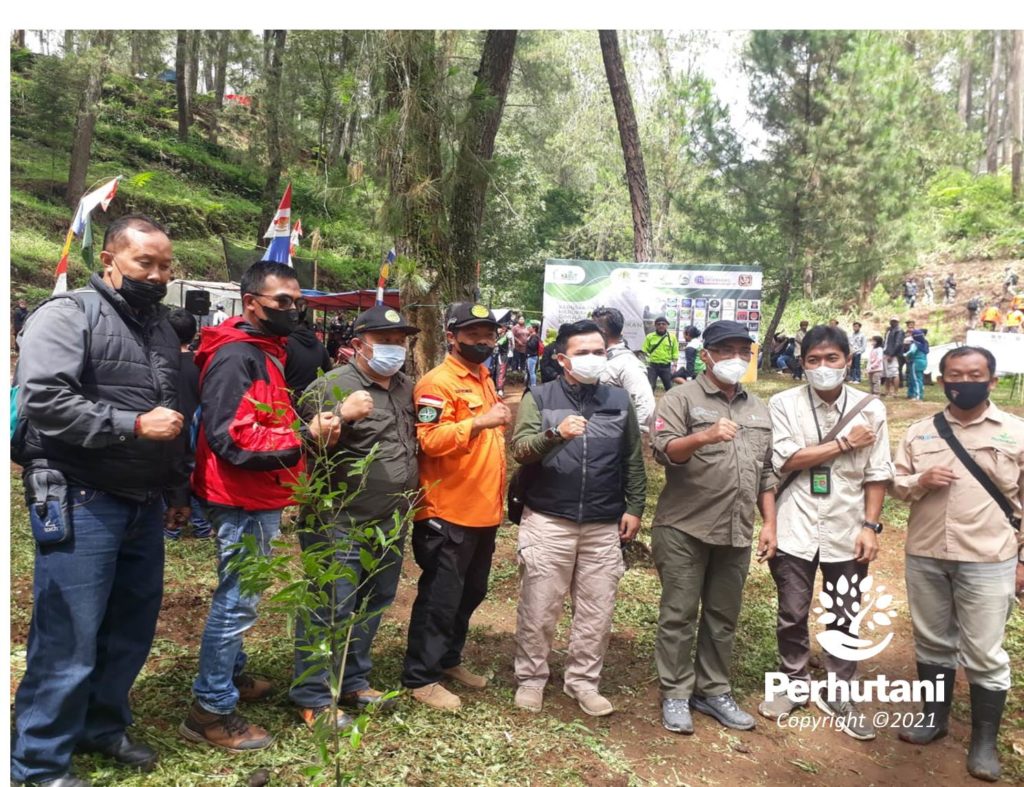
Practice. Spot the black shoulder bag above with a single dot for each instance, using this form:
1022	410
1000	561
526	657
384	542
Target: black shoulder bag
946	433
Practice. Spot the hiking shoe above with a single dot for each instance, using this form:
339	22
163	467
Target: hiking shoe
724	708
436	696
124	751
252	689
364	698
311	715
465	677
848	718
675	716
228	730
530	698
779	708
590	702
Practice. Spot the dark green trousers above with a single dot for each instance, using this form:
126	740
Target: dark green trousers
701	593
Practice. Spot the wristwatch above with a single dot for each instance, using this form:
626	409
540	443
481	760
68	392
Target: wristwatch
876	526
553	434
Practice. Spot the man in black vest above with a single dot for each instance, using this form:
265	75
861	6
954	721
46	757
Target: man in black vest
580	443
99	375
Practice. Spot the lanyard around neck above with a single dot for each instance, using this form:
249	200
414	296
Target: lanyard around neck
814	414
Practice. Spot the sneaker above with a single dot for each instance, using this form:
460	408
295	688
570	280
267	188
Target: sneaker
591	702
252	689
675	716
724	708
848	718
436	696
310	715
364	698
779	708
228	730
465	677
530	698
124	751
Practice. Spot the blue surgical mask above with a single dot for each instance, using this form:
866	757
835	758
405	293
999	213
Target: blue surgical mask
387	359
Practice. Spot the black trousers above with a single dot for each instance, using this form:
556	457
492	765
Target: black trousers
659	371
456	562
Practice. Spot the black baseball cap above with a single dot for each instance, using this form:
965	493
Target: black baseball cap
462	315
723	330
382	318
661	318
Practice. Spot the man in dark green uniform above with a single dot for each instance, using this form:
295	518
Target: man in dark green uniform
374	401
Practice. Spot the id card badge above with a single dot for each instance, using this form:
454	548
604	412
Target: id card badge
821	481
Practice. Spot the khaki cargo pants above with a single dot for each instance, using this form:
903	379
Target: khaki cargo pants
559	557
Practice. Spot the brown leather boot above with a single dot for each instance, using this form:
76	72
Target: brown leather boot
252	689
229	731
436	696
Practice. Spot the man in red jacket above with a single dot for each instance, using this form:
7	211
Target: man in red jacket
246	458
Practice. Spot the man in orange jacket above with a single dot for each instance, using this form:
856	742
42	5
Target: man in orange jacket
991	317
461	431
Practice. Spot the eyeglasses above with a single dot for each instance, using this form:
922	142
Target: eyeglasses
283	301
745	355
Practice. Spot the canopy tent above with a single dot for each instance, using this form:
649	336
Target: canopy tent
226	294
356	299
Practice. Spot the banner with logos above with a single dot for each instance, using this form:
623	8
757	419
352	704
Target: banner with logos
685	294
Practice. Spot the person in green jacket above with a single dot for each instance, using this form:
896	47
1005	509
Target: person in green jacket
662	351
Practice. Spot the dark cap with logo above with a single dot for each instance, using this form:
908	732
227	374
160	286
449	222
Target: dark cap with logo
382	318
462	315
661	318
723	330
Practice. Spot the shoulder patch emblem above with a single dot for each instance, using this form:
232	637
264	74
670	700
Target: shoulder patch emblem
659	424
428	408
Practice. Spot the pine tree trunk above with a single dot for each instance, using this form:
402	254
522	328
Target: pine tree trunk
476	149
136	52
85	119
992	116
181	82
1017	113
773	325
963	106
272	114
69	42
629	136
194	40
220	73
19	38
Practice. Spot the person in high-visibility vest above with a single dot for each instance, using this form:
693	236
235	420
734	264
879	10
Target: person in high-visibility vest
1017	302
991	318
1014	318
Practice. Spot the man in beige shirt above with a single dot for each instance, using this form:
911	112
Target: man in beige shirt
714	439
965	559
828	513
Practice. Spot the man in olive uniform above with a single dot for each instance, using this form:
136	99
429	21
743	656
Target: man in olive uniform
715	440
374	400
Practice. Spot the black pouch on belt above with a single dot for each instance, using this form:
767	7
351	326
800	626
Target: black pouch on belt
46	495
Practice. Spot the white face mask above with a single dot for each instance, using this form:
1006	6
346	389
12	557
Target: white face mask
825	378
730	370
587	369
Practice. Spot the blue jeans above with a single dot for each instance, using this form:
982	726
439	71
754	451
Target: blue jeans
531	370
96	600
232	612
377	593
201	527
855	368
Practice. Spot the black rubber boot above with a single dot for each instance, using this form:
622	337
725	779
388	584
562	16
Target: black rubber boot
935	724
986	713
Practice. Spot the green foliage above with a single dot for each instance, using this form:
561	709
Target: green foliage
976	213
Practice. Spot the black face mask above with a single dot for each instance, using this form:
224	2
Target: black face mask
475	353
280	322
141	294
966	396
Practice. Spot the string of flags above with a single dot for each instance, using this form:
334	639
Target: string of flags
81	226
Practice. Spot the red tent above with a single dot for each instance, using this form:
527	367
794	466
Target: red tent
356	299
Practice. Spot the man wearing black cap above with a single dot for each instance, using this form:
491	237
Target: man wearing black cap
461	430
662	351
376	411
715	440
